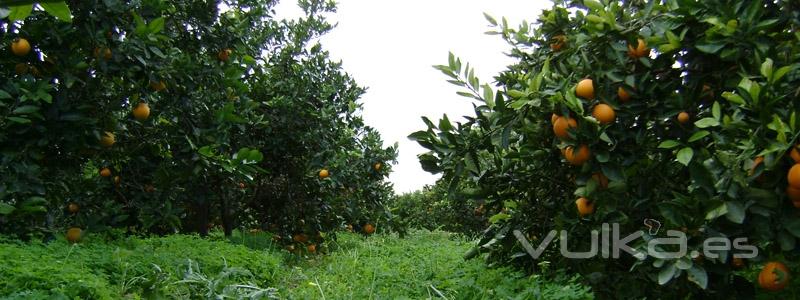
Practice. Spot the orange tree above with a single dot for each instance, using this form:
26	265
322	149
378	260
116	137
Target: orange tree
165	116
682	112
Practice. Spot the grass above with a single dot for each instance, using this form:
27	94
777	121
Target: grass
424	265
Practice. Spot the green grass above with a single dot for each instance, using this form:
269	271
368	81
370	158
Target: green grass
423	265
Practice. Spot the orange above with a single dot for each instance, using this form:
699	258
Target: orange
793	193
640	51
300	238
623	95
601	179
117	180
312	248
795	154
585	206
774	276
349	228
554	117
224	55
21	69
756	162
20	47
324	173
604	114
106	53
149	188
158	86
107	139
72	208
369	229
105	172
242	185
794	176
579	158
561	126
74	234
683	117
377	166
585	89
142	111
558	42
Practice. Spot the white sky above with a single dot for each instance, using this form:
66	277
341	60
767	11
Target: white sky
390	48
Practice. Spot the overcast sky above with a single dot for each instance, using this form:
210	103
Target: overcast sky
390	46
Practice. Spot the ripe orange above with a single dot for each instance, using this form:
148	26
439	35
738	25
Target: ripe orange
74	234
585	89
558	42
377	166
21	69
20	47
324	173
640	51
105	172
312	248
561	126
756	162
158	86
142	111
105	52
601	179
149	188
794	176
623	95
683	117
795	153
369	229
224	55
349	228
579	158
585	206
300	238
72	208
553	118
107	139
604	113
774	276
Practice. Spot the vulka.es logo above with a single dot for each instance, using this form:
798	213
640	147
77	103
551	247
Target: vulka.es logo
610	244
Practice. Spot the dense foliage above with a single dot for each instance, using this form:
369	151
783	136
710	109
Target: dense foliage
164	116
688	118
435	208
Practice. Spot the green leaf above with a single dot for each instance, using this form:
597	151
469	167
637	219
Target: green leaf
593	4
685	156
25	109
698	276
698	136
206	151
717	212
706	122
499	217
490	19
6	209
736	212
59	10
733	98
766	69
666	274
4	95
716	110
780	73
669	144
156	25
792	225
19	120
19	13
710	48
